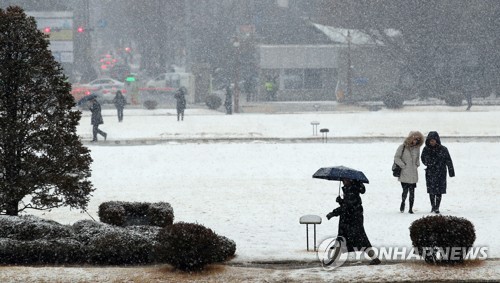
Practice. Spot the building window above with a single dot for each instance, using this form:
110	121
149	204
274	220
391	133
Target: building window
304	78
313	78
293	79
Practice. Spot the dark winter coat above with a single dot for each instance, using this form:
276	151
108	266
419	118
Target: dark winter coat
437	159
119	100
351	217
96	118
180	96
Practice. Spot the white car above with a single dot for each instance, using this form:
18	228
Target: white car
106	82
106	88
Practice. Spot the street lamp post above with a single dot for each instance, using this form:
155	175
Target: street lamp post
236	44
349	66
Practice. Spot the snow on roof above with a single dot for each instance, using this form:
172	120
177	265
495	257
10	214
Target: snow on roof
339	35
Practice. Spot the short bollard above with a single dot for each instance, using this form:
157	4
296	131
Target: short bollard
315	127
324	133
310	219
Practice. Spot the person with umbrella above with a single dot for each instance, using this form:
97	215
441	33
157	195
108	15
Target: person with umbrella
350	211
96	119
119	101
437	159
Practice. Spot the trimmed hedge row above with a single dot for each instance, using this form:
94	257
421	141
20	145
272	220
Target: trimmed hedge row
122	213
32	240
434	236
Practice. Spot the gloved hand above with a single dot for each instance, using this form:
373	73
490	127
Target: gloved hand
329	215
339	199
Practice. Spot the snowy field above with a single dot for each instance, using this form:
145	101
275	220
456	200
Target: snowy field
254	192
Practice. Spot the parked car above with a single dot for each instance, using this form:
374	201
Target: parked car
106	82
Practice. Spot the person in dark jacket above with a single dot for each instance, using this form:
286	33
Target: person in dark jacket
96	120
119	101
437	159
180	97
350	211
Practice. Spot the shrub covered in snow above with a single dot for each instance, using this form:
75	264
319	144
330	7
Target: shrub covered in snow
436	235
394	99
106	244
121	213
189	247
213	101
42	251
29	228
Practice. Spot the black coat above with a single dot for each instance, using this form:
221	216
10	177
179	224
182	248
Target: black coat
96	118
437	159
119	100
180	96
351	217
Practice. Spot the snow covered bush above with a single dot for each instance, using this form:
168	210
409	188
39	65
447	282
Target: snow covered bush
435	236
454	98
107	244
121	213
59	251
213	101
150	104
394	99
190	247
112	213
29	228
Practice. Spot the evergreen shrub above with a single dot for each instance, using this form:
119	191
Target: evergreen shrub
121	213
190	247
150	104
213	102
393	100
432	235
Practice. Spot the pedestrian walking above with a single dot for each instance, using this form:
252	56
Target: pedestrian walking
407	157
350	213
180	97
96	120
228	102
119	101
437	159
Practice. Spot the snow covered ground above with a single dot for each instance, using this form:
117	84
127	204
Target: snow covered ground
254	191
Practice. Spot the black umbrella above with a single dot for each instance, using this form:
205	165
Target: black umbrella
86	98
336	173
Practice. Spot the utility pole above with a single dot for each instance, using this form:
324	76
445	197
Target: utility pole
349	66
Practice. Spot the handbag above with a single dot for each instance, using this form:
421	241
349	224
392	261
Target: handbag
396	169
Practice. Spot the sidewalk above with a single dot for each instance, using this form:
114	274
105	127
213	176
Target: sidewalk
345	124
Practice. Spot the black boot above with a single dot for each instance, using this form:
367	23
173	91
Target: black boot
433	202
412	199
402	207
438	203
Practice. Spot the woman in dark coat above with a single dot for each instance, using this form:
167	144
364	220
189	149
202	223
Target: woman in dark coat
437	158
119	101
96	120
351	218
180	96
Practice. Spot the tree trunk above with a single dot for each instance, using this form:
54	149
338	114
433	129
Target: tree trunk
12	208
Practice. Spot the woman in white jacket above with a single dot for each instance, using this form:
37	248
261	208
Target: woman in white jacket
408	158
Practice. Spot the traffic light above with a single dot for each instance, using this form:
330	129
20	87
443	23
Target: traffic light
80	29
46	30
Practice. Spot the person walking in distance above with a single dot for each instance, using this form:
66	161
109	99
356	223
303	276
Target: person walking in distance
119	101
437	159
96	120
180	97
407	157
